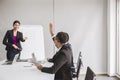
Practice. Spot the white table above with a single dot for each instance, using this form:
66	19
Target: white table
23	71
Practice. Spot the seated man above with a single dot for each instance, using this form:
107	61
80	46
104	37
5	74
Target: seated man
62	61
51	27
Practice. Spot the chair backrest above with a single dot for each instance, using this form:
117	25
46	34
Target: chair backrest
89	74
80	54
79	63
78	66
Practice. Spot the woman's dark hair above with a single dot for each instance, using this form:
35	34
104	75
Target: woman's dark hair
62	37
16	21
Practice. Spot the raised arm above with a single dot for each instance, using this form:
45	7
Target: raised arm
51	28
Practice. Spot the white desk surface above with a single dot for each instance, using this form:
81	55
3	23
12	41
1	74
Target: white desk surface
23	71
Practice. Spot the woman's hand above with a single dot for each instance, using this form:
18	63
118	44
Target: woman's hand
15	46
25	38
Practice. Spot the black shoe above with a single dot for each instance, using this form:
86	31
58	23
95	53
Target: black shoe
9	62
6	61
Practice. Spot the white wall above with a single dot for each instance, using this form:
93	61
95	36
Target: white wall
29	12
84	20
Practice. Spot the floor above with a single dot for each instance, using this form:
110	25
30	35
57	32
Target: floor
100	78
106	78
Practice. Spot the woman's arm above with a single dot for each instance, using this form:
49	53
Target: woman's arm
22	38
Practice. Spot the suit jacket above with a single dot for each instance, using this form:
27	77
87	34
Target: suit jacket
61	65
8	39
53	58
72	63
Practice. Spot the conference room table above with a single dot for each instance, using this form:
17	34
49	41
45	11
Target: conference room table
23	71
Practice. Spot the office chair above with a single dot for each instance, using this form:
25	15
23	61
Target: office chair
78	66
89	74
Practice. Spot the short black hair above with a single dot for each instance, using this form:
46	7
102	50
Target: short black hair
62	37
67	37
16	21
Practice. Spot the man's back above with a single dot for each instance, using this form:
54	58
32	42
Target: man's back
64	73
62	65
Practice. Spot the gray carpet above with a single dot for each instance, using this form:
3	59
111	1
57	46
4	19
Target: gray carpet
106	78
100	78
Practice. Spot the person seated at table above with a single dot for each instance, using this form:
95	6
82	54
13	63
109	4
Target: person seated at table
62	61
51	28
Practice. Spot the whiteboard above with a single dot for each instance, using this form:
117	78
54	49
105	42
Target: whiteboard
34	43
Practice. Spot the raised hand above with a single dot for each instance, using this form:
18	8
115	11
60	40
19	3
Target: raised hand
51	28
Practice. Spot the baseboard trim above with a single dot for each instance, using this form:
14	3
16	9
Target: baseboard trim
111	75
114	75
118	76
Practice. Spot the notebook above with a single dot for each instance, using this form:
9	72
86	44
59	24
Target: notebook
34	60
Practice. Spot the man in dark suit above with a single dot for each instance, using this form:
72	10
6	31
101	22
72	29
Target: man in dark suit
51	28
12	40
62	60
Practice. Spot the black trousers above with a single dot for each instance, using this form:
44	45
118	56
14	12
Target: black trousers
11	54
